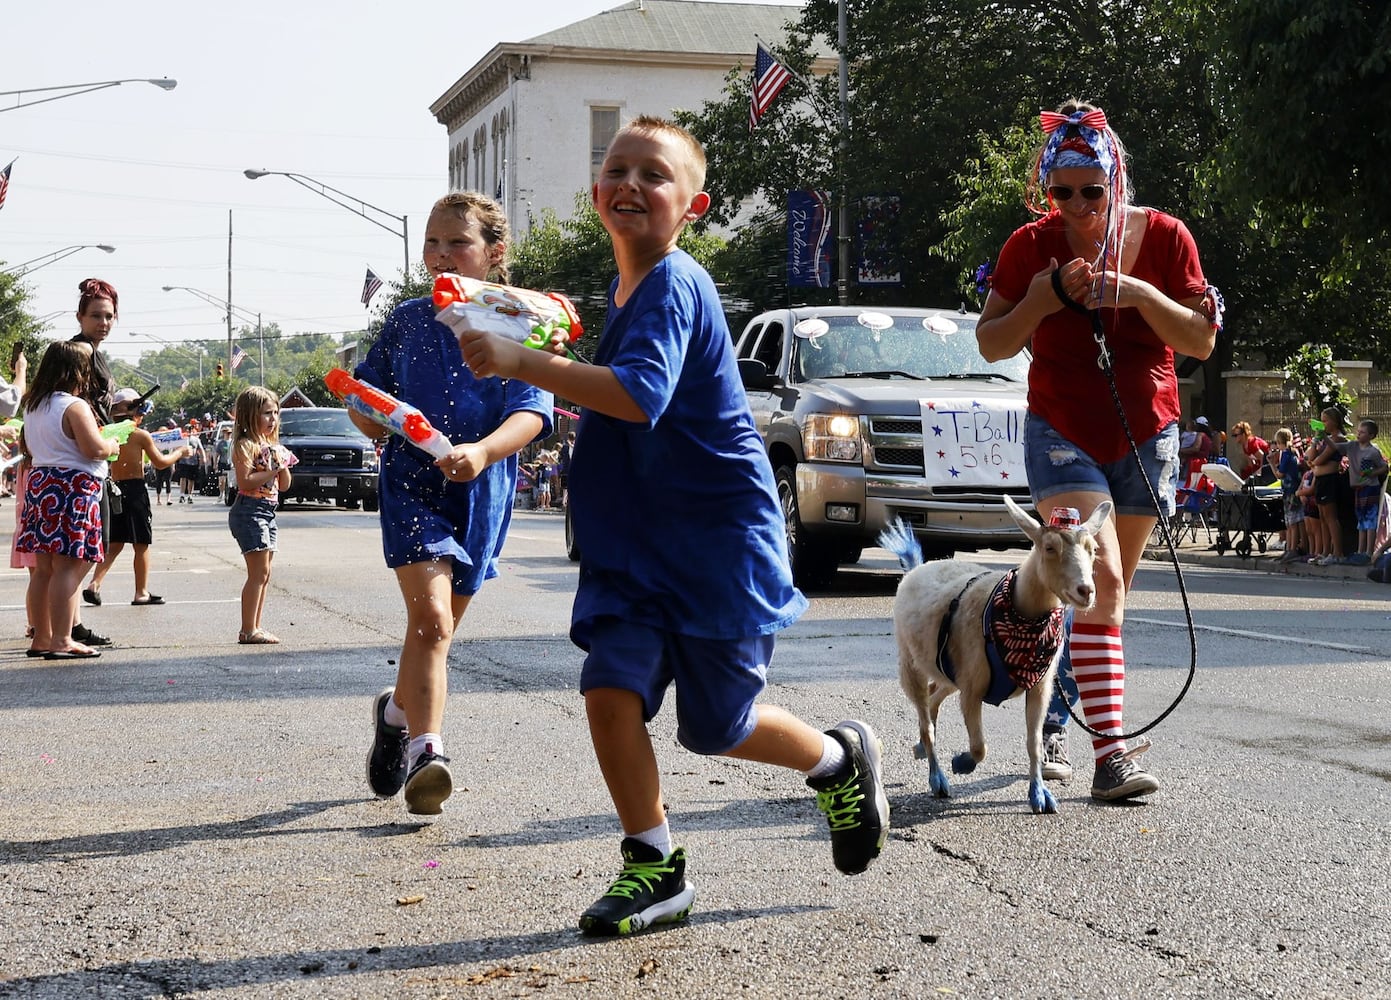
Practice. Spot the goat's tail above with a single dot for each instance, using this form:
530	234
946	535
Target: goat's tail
898	538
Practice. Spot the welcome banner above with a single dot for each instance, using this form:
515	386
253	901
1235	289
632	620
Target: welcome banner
808	239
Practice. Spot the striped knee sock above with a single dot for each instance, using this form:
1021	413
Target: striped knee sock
1098	665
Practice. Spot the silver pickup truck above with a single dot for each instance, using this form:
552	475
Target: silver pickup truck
874	414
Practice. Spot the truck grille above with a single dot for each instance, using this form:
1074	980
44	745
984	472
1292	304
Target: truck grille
346	457
896	444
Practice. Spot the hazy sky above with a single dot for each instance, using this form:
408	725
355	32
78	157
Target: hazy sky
336	91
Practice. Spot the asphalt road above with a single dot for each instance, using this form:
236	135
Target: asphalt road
186	816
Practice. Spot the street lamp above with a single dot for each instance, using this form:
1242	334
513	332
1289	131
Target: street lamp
177	349
75	89
51	258
323	190
229	309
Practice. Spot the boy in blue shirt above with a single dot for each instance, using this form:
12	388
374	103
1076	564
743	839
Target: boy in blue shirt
684	577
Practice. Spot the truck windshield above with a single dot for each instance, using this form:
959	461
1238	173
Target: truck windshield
942	347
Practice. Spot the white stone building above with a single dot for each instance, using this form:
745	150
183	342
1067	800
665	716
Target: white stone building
530	121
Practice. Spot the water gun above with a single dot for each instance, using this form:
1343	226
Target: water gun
119	432
395	415
515	313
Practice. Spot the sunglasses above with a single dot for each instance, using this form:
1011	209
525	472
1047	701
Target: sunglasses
1061	192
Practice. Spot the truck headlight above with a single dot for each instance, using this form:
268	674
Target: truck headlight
831	437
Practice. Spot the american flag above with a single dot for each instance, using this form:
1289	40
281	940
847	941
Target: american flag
238	356
370	284
769	77
5	182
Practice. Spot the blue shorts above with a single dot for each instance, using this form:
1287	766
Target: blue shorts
252	521
1055	465
717	680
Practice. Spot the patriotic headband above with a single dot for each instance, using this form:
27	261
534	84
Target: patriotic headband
1076	140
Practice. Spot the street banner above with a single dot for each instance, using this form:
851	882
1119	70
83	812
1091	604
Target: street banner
881	259
969	442
808	239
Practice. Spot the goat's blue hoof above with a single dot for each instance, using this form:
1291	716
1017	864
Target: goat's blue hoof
1040	798
938	783
963	763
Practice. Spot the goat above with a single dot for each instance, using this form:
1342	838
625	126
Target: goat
943	636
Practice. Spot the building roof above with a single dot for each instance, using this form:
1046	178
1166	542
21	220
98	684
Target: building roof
675	26
659	32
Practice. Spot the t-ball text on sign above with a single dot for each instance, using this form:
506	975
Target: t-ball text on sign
974	442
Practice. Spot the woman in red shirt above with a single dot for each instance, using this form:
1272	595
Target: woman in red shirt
1254	448
1093	253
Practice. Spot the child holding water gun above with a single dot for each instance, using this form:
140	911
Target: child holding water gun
692	597
262	467
61	523
443	519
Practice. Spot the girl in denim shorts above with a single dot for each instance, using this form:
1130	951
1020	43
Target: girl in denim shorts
262	467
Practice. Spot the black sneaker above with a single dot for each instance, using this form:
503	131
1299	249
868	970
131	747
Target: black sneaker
428	784
853	800
651	890
85	635
386	761
1056	766
1119	777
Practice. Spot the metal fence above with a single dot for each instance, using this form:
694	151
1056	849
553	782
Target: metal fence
1280	408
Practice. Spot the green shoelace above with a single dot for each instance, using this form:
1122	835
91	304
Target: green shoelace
841	804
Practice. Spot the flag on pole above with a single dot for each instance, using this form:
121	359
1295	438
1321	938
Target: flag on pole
5	182
769	77
238	356
370	285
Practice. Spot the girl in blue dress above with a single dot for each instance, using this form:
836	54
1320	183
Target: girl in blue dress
443	521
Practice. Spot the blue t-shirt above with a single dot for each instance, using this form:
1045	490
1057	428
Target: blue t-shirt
1289	472
677	517
424	516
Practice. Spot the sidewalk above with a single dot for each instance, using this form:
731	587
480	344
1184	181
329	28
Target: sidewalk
1202	552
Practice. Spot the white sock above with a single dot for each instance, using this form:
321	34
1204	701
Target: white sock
430	742
658	837
832	757
394	714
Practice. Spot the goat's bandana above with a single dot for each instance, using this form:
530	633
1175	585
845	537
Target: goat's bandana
1019	650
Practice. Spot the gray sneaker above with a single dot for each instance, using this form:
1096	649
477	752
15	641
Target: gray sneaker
1056	765
1119	777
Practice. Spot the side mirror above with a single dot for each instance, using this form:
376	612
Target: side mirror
755	375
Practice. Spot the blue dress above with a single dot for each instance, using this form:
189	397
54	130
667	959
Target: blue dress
424	516
677	517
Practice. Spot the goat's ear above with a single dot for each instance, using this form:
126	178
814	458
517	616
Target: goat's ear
1093	524
1024	519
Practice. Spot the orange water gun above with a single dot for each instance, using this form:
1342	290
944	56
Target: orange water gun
395	415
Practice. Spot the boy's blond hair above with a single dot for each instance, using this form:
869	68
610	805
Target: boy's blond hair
654	127
1283	437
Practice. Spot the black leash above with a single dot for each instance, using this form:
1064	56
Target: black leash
1103	361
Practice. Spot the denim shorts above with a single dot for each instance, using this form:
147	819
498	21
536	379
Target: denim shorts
1055	465
717	680
252	521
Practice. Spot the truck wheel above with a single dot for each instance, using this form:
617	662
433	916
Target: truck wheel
850	555
371	504
572	549
813	563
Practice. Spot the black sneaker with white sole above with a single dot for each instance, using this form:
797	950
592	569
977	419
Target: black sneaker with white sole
853	799
386	761
428	784
1056	765
651	889
1119	777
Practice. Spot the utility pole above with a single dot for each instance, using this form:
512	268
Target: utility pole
229	292
843	219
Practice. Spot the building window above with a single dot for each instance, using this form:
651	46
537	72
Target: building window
603	124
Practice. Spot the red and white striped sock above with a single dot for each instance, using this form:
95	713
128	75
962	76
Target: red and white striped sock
1098	667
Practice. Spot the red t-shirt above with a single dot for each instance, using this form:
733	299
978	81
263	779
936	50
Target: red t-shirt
1066	387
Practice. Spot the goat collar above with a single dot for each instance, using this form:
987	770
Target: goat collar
1019	650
